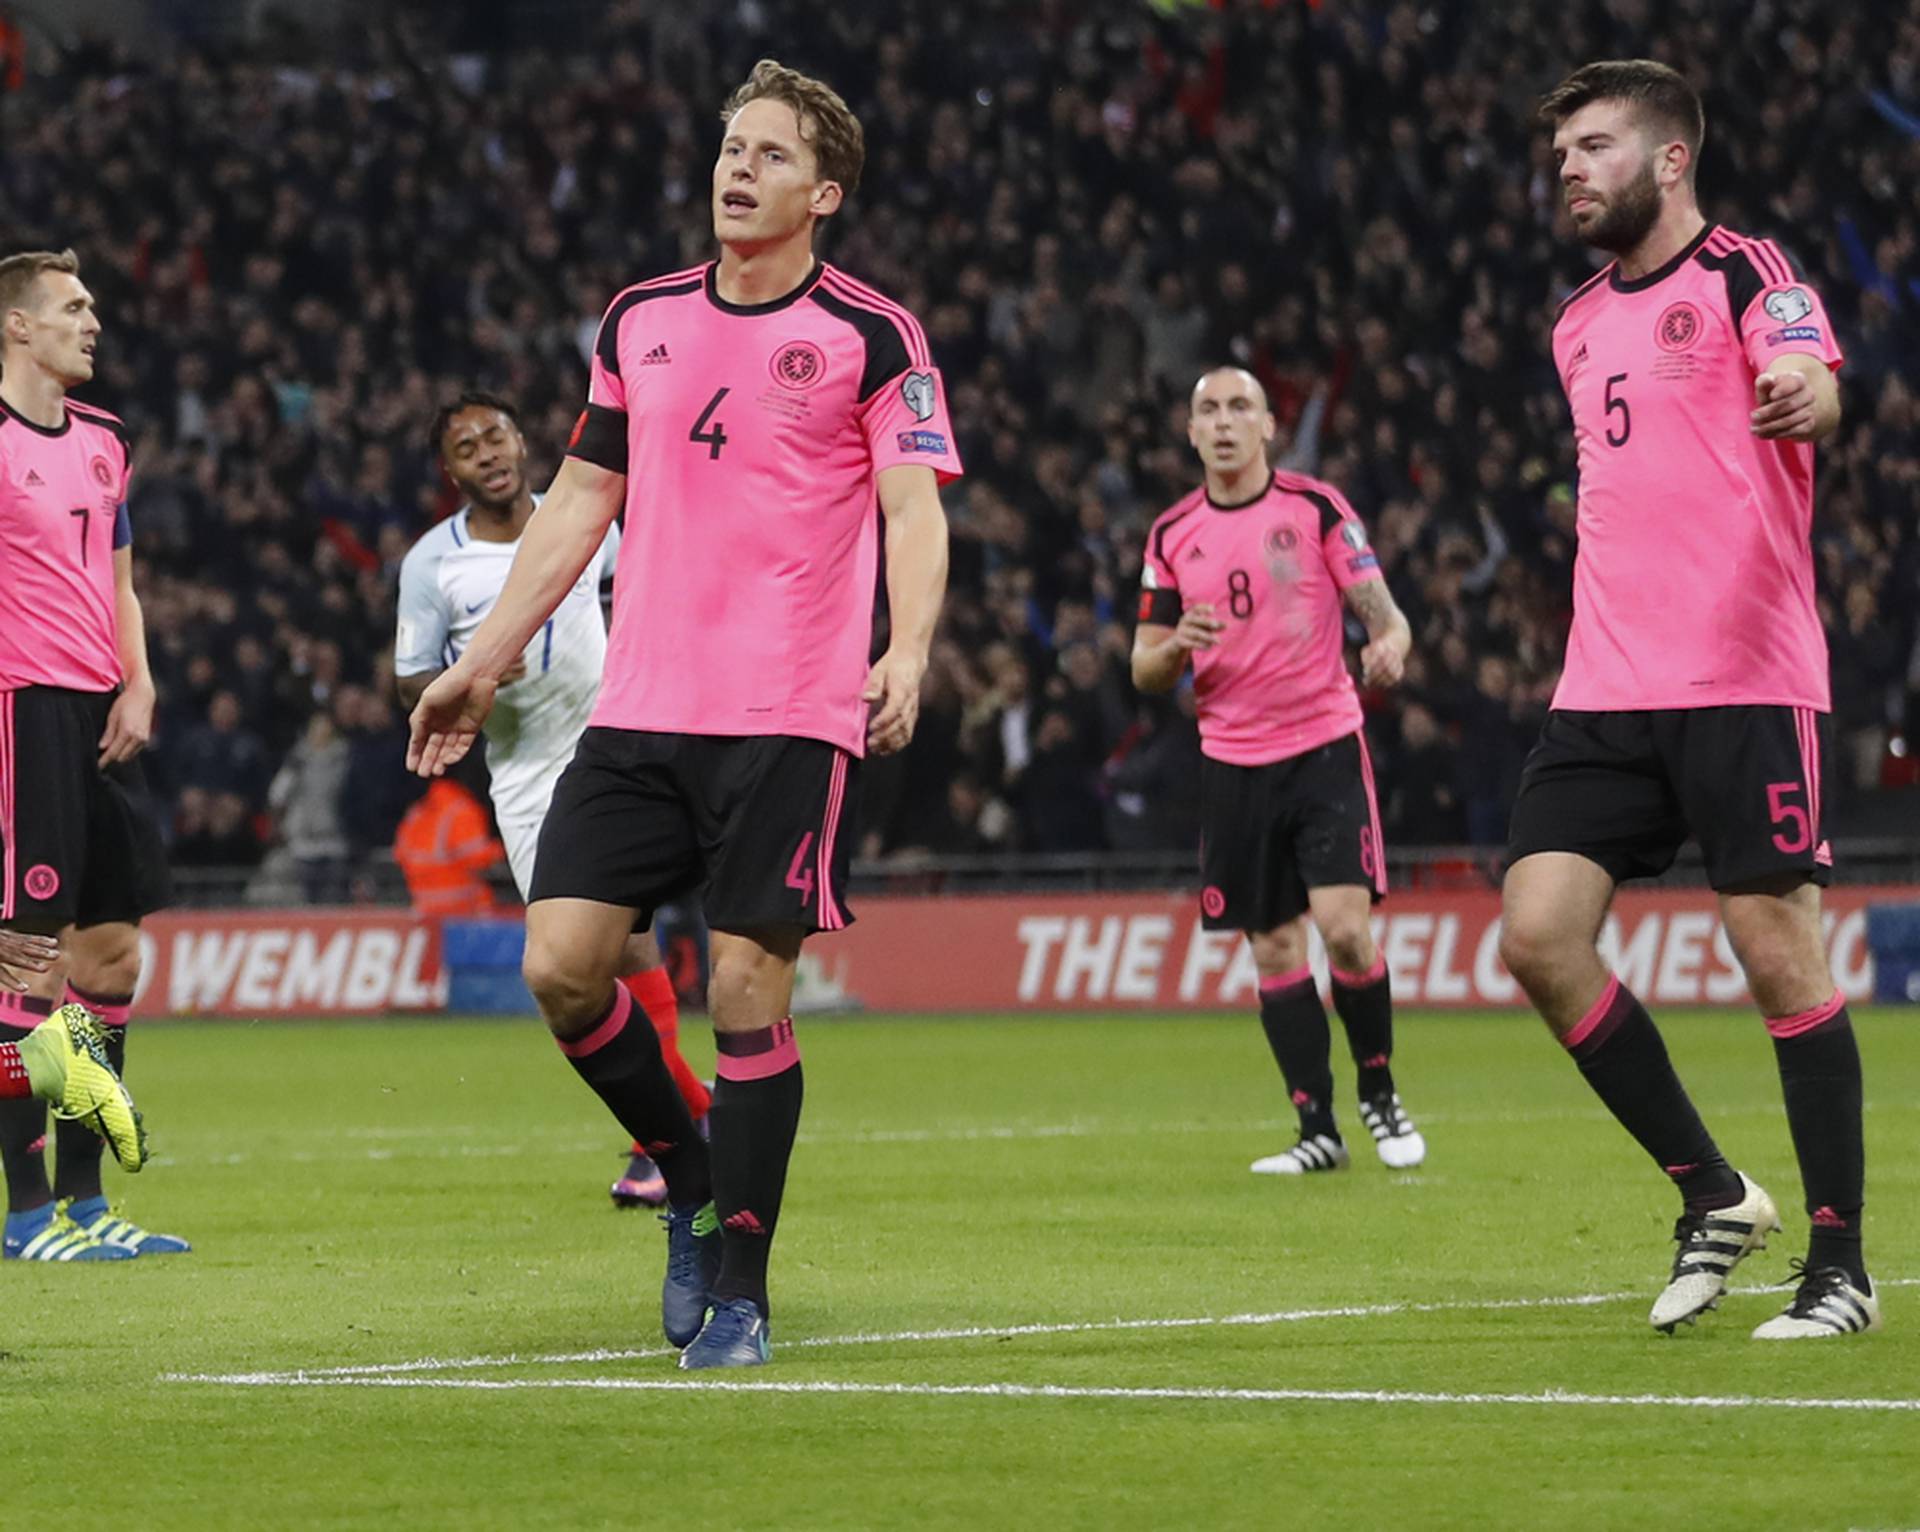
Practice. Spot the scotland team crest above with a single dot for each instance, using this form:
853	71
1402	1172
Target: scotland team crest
1678	327
798	364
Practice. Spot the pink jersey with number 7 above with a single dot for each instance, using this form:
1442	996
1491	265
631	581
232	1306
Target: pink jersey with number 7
63	514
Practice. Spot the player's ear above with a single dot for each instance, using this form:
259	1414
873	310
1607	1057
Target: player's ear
827	197
1676	163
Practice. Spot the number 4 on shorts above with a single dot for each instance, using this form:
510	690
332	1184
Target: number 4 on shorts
800	874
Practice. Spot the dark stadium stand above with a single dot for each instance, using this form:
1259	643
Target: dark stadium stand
1086	204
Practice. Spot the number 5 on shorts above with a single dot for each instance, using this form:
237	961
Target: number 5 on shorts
1780	811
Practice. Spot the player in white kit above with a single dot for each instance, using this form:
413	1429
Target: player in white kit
448	583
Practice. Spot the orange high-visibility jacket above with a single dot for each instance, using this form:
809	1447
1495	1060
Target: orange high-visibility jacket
444	849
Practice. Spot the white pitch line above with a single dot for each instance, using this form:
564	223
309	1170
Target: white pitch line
306	1375
857	1137
1554	1397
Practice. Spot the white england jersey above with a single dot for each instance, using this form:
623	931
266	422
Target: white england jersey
448	583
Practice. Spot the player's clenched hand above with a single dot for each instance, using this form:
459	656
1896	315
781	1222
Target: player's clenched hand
447	720
129	726
1384	661
1785	407
24	950
1199	628
893	693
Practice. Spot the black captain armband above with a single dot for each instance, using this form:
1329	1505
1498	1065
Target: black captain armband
1160	606
600	438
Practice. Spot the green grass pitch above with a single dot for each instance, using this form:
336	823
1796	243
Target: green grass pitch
364	1195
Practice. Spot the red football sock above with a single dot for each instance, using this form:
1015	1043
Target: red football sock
654	991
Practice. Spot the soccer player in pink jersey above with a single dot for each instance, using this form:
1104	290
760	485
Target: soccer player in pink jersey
80	854
752	415
1699	368
1250	578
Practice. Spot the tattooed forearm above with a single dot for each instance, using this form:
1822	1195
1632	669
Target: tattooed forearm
1374	605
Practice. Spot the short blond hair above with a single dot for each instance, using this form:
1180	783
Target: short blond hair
827	124
18	273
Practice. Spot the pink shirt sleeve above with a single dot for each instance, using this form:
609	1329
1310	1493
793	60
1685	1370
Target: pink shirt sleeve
1788	319
1350	557
906	422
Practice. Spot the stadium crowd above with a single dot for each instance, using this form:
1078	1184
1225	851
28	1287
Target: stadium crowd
1086	205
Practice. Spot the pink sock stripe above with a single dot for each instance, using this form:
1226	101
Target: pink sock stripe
827	906
1373	816
606	1032
781	1054
113	1012
6	805
24	1005
1806	1021
1360	980
1274	983
1589	1023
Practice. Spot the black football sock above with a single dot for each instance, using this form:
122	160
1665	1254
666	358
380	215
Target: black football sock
753	1120
76	1147
1620	1051
23	1130
1297	1032
619	1056
1820	1078
1365	1004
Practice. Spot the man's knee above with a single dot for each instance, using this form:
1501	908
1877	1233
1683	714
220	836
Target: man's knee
1350	947
1281	950
1781	947
751	985
1784	975
106	960
1535	947
567	992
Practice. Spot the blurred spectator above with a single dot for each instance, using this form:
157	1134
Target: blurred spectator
214	829
308	798
1420	794
223	756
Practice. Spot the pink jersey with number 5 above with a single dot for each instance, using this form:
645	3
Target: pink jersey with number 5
1693	583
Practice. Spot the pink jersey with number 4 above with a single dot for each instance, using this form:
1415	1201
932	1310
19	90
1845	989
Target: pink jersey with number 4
1274	570
1693	584
744	595
63	513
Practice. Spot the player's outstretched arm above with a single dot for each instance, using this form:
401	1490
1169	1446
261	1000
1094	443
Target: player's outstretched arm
916	585
1796	399
559	540
130	719
1384	659
1160	652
